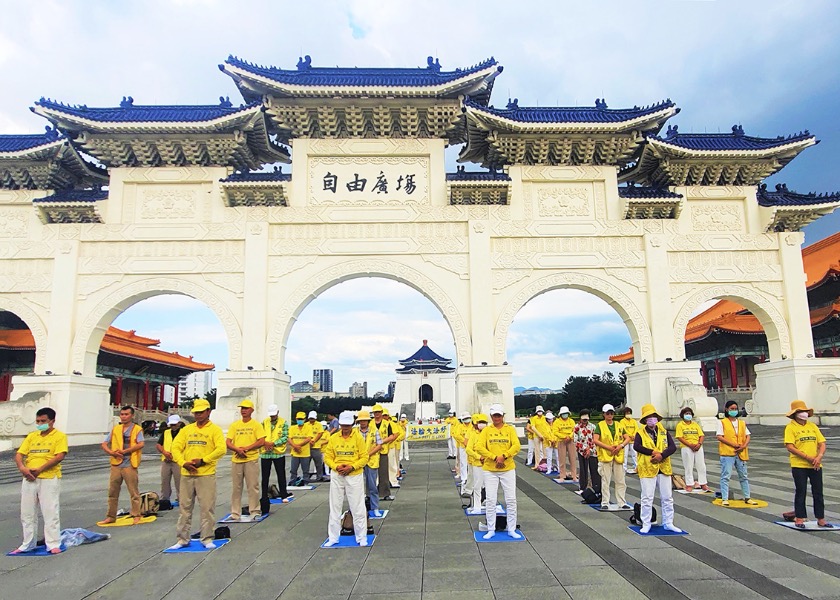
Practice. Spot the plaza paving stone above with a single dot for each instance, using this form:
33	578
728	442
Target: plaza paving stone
425	550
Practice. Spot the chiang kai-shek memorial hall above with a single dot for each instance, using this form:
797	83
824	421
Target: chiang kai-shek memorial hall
113	205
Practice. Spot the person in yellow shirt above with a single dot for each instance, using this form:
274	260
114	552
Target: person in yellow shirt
540	430
373	441
197	449
315	447
654	446
562	431
347	454
479	422
689	434
39	461
274	451
529	435
322	443
733	437
461	433
386	432
451	420
551	464
456	431
300	438
393	453
169	469
806	445
611	439
497	445
630	425
245	438
124	444
404	443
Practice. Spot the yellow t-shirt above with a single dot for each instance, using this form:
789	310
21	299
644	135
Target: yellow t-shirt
297	434
351	450
563	429
541	425
242	435
493	442
805	438
206	443
630	425
39	449
689	431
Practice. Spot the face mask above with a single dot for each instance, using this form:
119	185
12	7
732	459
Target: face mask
564	416
688	417
651	421
300	421
46	426
732	413
481	426
802	416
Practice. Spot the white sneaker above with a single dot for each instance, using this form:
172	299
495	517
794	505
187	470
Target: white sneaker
515	534
489	535
671	527
377	514
362	542
330	543
645	529
178	545
209	545
245	519
475	511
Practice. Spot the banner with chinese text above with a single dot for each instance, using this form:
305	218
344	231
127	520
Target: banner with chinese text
427	433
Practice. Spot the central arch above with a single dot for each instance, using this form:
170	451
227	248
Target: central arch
632	316
35	324
339	273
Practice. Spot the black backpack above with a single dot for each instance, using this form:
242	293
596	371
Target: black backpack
502	523
590	496
222	533
165	504
636	517
273	491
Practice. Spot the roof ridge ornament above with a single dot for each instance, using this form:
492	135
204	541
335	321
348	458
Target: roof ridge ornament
513	104
601	103
433	64
224	102
672	132
50	133
127	102
737	131
305	63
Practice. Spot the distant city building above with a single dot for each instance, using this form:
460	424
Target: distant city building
195	384
379	394
301	387
323	378
358	390
392	385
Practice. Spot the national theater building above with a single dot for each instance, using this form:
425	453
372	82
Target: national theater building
317	175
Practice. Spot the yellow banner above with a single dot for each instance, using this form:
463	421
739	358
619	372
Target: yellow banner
427	433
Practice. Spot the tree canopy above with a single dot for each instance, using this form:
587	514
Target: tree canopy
578	393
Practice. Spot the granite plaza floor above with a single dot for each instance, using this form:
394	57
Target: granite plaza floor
425	548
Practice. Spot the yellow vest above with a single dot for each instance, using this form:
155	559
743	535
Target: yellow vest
272	433
399	430
167	443
370	442
608	439
383	432
646	468
730	436
117	444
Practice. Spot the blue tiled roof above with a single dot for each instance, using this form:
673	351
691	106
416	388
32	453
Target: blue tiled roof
307	75
17	143
736	140
128	112
584	114
425	354
642	192
71	195
257	177
462	175
784	197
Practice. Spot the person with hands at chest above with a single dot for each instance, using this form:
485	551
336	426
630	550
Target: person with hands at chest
630	426
733	438
562	432
273	451
245	438
388	435
300	438
654	446
497	445
611	439
124	444
373	442
315	444
806	445
690	435
169	469
39	461
346	455
584	438
479	422
197	449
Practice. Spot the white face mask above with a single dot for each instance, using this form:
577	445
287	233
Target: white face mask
481	426
802	416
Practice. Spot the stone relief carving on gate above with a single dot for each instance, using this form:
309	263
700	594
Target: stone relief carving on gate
565	201
14	224
166	204
717	217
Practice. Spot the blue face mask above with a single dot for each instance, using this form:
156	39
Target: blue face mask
42	426
300	421
732	413
687	417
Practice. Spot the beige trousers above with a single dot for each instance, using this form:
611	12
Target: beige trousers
609	472
118	475
567	449
203	489
250	472
169	470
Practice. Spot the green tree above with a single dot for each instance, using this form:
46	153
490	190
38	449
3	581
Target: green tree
210	396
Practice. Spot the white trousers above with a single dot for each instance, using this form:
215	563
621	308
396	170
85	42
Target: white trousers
43	493
478	485
666	498
609	472
694	460
551	459
404	449
530	458
630	463
492	480
351	487
451	442
468	484
462	464
393	467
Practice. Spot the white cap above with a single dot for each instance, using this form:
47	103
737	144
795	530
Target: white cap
549	415
465	415
313	414
173	420
345	418
540	409
402	416
273	410
564	410
451	412
496	409
608	408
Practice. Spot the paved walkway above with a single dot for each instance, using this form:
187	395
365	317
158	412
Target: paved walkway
425	549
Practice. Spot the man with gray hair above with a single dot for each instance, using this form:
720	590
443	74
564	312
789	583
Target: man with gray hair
169	469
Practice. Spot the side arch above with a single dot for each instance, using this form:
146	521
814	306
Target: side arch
35	323
627	309
94	325
301	297
763	307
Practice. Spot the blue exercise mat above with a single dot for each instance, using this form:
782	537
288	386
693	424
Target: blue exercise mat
655	530
227	520
348	541
37	551
300	487
196	546
501	536
612	508
280	500
384	514
564	481
500	510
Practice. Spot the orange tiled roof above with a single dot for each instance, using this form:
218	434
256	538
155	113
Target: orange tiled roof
116	341
821	259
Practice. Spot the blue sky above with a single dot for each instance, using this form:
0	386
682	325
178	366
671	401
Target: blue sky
768	65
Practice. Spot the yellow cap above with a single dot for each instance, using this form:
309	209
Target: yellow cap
649	410
480	417
246	404
385	412
300	415
363	416
799	406
200	405
377	408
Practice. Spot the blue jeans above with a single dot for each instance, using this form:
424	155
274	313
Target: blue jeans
370	484
726	464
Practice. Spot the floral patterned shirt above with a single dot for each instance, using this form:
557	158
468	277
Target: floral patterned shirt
583	438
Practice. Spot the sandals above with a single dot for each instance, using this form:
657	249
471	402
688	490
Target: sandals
799	524
826	525
750	502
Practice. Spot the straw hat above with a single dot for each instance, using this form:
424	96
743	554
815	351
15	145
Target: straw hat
649	410
799	406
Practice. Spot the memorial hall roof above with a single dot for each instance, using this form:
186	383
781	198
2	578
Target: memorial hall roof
425	359
572	115
643	191
306	80
785	197
248	177
20	143
71	195
463	175
737	141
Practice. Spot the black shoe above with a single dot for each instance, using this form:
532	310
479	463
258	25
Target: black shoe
386	499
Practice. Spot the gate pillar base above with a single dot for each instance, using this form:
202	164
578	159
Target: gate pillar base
670	386
479	387
778	383
264	388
